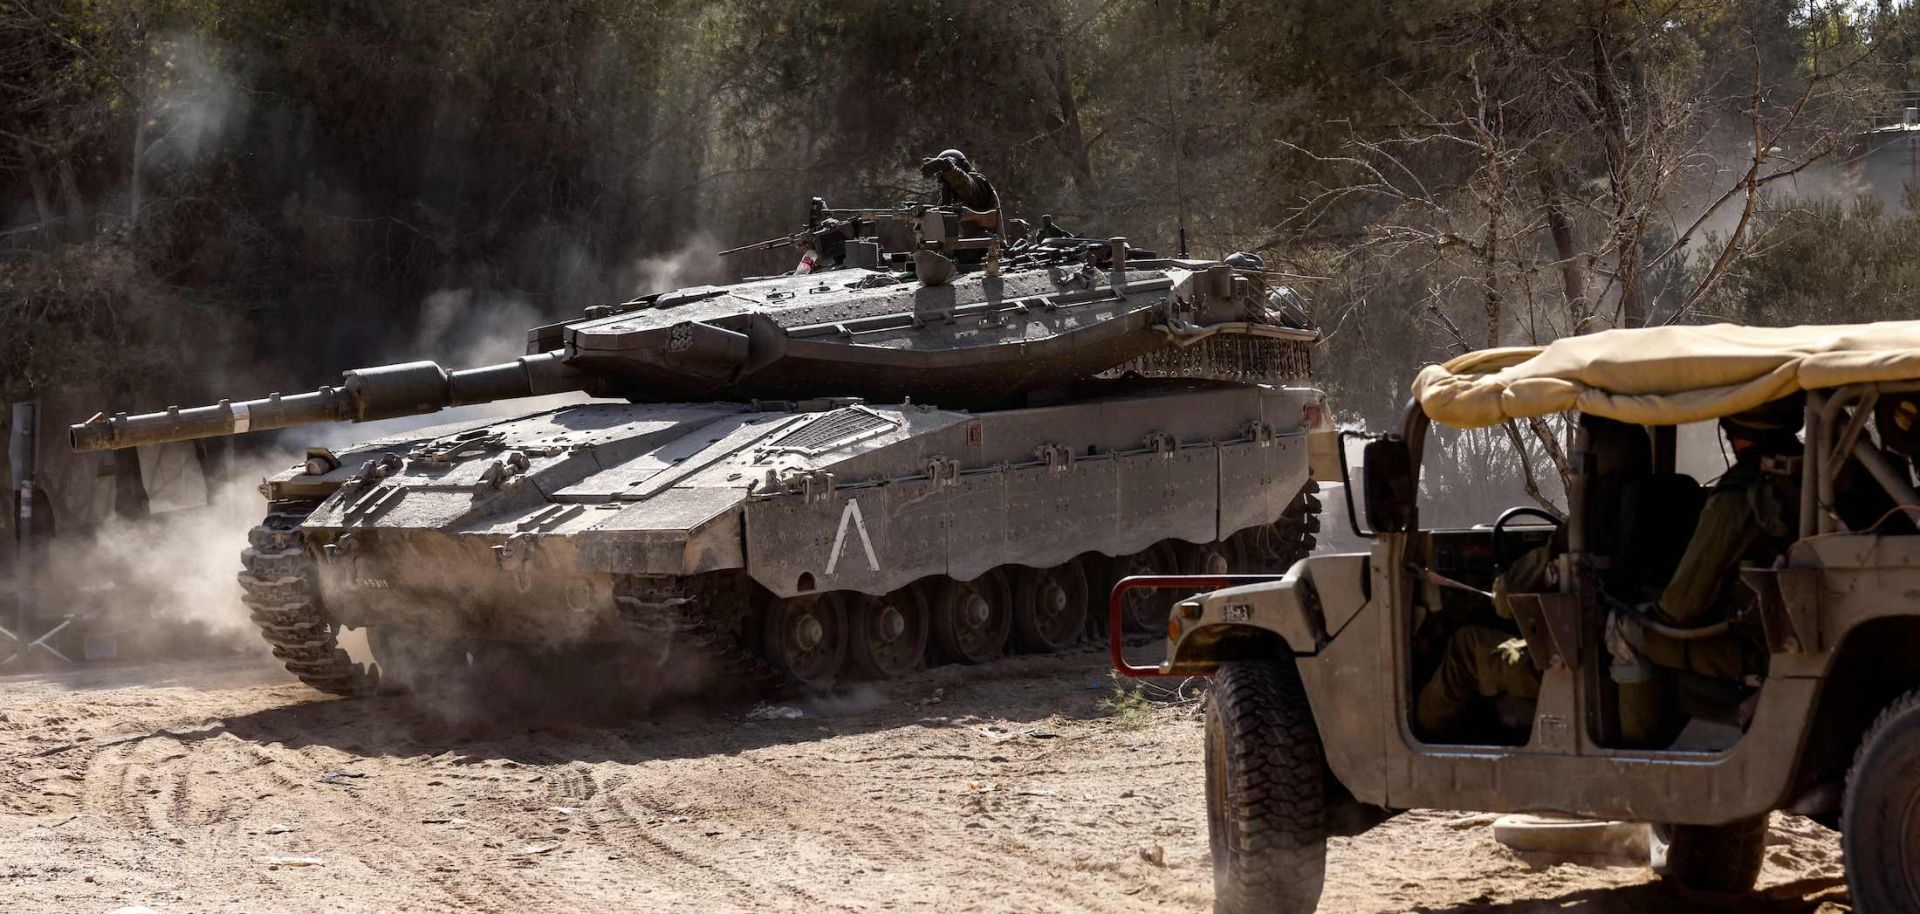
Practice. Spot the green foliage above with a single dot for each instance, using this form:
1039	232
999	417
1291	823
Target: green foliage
1129	708
1828	262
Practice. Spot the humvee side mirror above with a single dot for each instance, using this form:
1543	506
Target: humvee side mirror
1389	484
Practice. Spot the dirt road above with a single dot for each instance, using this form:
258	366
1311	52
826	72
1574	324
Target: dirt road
1009	788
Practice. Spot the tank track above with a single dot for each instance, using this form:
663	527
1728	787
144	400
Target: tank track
1297	525
1273	548
277	584
706	647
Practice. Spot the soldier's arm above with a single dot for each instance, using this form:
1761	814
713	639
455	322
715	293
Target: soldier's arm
1725	532
1530	573
967	187
961	183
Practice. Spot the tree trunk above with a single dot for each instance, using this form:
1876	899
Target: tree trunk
1573	281
37	181
1612	126
1629	260
1490	266
1067	134
133	168
76	226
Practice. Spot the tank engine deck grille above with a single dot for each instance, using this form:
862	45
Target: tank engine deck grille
840	427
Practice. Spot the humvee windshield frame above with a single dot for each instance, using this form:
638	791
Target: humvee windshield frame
1560	628
1826	442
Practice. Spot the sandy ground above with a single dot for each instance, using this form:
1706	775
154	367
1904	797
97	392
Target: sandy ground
1008	788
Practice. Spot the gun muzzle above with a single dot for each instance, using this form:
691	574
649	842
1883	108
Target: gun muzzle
367	394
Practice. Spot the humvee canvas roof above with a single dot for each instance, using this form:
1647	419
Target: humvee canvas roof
1665	375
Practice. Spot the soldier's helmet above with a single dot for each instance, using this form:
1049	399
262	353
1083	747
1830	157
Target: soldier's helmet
958	158
1776	421
1246	260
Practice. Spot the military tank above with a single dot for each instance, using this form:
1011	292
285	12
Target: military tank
935	453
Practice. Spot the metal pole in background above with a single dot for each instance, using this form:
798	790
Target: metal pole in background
22	448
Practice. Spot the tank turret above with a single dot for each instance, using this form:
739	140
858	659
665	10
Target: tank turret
952	319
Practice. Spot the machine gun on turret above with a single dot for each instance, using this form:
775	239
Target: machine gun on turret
829	232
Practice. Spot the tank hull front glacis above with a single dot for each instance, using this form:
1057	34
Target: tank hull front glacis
813	541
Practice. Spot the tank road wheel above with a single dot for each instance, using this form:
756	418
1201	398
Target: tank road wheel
971	619
1880	815
1210	558
886	636
276	581
1049	607
1716	858
1266	792
1146	610
806	638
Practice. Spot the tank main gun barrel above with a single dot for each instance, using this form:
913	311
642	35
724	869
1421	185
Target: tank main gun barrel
366	394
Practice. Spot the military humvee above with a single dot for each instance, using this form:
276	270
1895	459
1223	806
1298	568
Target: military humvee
1310	730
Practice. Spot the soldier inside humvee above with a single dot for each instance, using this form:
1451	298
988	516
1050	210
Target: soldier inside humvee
1681	631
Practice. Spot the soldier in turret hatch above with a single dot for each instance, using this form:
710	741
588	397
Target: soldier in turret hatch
959	183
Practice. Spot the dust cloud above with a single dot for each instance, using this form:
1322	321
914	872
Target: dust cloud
162	586
197	101
695	262
464	328
458	328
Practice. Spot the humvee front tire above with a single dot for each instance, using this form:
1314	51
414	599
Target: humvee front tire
1266	792
1880	814
1711	858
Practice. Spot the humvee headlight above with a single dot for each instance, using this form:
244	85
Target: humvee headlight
1190	609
